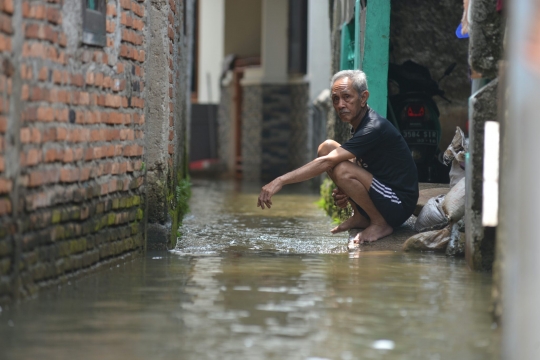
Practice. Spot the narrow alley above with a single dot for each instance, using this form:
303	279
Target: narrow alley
248	285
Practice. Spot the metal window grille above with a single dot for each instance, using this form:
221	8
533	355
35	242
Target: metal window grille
94	31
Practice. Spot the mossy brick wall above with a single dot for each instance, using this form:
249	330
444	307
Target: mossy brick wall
72	140
167	113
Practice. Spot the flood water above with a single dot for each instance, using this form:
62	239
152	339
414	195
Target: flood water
250	284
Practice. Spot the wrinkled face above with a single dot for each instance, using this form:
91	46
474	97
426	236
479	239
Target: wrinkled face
347	102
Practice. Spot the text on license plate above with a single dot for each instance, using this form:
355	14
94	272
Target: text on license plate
420	136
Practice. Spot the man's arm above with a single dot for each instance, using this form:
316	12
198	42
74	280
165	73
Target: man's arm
306	172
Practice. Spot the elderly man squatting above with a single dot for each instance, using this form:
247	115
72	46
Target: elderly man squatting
374	170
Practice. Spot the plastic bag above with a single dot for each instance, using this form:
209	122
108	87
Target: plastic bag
432	216
453	204
435	240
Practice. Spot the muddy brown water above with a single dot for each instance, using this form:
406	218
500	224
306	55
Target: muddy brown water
250	284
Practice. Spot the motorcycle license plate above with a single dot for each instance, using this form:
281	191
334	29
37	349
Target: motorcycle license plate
426	137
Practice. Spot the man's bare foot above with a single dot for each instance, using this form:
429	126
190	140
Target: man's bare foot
356	221
373	232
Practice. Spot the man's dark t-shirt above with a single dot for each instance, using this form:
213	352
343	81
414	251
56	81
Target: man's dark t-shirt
381	150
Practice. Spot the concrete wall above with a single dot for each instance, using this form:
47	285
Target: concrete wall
74	137
319	71
211	49
243	33
275	126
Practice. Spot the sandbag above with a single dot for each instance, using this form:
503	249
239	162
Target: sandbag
456	245
435	240
457	172
432	216
453	204
457	148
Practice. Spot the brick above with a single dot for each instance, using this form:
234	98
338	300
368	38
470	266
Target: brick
111	26
111	9
2	163
33	157
45	114
35	136
5	185
98	79
137	24
137	9
57	77
54	15
84	176
77	80
125	4
4	106
107	82
50	155
49	34
62	39
5	43
78	154
114	101
84	98
34	11
69	175
7	6
61	115
89	154
5	206
119	68
25	92
31	31
126	19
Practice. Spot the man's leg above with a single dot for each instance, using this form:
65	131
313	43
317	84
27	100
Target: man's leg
356	182
357	220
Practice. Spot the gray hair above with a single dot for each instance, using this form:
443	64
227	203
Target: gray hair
358	78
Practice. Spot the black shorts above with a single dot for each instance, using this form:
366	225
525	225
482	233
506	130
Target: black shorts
388	203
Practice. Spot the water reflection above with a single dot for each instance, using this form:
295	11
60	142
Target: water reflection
281	290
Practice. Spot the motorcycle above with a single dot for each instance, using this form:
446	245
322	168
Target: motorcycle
414	113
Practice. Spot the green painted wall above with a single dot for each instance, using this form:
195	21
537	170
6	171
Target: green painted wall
375	53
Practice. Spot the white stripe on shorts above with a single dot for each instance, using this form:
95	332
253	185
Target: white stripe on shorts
385	191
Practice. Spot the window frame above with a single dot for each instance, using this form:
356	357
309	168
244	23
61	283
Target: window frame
94	24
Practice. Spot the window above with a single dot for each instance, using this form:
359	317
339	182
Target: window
94	22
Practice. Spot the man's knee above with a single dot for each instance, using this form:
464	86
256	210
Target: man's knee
327	147
346	172
342	172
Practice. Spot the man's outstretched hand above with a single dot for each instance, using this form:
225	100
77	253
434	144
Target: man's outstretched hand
267	191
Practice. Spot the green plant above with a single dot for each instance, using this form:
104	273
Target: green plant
183	193
326	202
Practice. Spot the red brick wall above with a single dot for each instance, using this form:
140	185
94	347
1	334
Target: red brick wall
71	141
7	223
